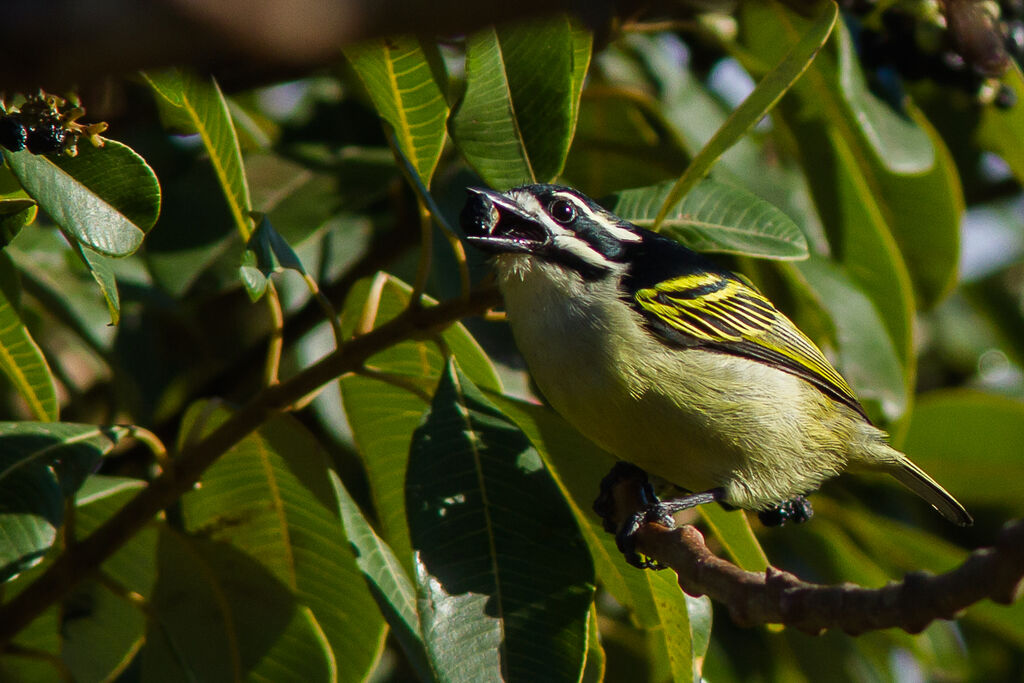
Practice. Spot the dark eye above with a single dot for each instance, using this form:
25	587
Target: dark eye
562	211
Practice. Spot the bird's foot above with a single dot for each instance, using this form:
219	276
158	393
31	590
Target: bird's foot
797	510
627	487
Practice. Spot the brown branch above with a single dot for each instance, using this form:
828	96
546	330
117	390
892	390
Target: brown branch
85	557
778	597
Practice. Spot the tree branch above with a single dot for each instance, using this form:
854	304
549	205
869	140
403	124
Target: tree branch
83	558
778	597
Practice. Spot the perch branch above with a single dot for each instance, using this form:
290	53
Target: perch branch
778	597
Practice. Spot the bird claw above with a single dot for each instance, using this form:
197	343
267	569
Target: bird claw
797	510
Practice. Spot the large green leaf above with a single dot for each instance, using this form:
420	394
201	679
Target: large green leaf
656	604
201	104
105	197
384	414
21	359
398	77
969	441
391	586
219	614
501	566
902	146
41	464
517	117
270	497
716	217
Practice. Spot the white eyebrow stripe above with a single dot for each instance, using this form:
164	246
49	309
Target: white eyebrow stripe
532	206
620	233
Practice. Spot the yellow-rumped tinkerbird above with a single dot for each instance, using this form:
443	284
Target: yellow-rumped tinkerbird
673	364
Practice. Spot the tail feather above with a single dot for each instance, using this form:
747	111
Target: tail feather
918	481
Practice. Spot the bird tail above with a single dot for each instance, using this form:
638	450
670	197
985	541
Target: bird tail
918	481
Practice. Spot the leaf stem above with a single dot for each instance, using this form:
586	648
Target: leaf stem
276	343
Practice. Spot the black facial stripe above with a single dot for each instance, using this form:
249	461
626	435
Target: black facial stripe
598	238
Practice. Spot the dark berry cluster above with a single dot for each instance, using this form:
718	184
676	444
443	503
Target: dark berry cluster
45	124
963	44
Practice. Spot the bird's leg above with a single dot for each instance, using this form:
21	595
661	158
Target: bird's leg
645	507
797	510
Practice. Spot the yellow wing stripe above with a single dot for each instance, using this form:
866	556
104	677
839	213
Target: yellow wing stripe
720	310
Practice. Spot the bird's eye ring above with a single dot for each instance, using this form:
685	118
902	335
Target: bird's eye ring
562	211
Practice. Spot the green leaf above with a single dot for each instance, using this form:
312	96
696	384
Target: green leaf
716	217
969	441
106	197
102	272
202	104
21	359
15	214
399	79
41	463
270	498
273	253
924	212
517	117
392	587
219	615
733	530
765	95
383	415
899	143
578	466
500	561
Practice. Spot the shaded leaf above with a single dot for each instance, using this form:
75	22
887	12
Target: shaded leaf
270	498
218	614
398	77
21	359
517	117
41	463
101	630
105	197
201	103
487	523
716	217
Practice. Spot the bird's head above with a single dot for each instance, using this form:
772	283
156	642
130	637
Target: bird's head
549	222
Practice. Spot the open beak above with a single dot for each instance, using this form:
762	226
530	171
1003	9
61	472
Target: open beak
493	222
